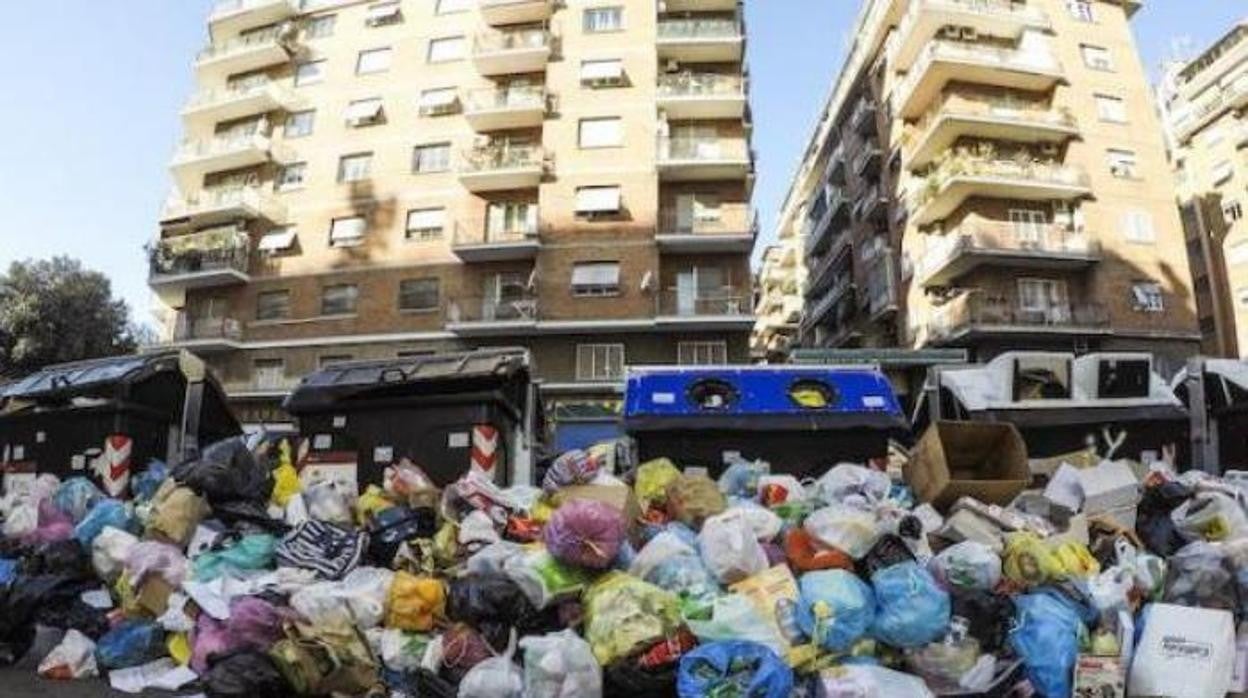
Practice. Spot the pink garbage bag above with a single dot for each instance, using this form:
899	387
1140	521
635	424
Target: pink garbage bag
54	525
254	624
209	639
153	557
585	533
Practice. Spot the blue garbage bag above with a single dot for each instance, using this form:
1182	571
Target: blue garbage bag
106	512
8	571
1046	637
687	577
143	486
76	496
741	479
247	554
914	609
733	668
836	608
132	643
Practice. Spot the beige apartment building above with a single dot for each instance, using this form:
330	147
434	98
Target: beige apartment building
1204	106
990	175
781	290
376	179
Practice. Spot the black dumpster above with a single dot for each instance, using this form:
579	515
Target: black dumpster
443	413
1216	394
86	417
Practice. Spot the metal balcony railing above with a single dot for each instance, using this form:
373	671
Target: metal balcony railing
216	147
682	148
199	252
498	99
689	84
980	311
476	310
699	28
727	301
730	219
970	164
211	97
273	38
192	329
475	236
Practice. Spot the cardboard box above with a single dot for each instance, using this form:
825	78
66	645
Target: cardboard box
987	461
154	595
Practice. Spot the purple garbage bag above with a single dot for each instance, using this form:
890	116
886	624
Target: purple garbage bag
585	533
209	639
254	624
153	557
54	525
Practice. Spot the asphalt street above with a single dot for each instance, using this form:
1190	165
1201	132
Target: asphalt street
26	684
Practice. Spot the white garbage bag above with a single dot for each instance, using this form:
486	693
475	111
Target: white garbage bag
967	565
730	551
854	485
851	530
74	658
560	665
109	551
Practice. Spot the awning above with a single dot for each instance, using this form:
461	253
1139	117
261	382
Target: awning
348	229
441	97
597	199
383	13
596	274
364	111
609	69
277	241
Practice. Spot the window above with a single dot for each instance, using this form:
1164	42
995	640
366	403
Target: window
1080	10
355	168
604	19
1222	171
446	7
273	305
451	48
601	133
702	353
595	279
439	100
424	224
292	176
511	217
340	299
383	13
347	232
334	360
300	124
1029	224
309	73
597	200
599	362
419	294
1214	138
1122	163
1111	109
1096	57
602	72
1147	296
279	240
693	213
364	112
1046	297
1138	227
1232	211
320	27
373	61
268	374
435	157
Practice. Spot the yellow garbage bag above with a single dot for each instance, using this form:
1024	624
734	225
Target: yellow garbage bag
652	481
285	478
1077	560
416	603
623	613
373	500
179	647
1029	561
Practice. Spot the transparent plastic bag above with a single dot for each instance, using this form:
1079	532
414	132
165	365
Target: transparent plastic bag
869	681
848	529
73	658
967	565
560	665
1210	516
731	552
735	617
853	485
623	613
496	677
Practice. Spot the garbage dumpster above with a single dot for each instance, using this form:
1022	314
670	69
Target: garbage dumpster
1215	392
444	413
800	419
1113	402
105	417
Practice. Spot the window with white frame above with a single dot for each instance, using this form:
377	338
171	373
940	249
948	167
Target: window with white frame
592	201
384	13
1138	228
268	374
1111	109
602	72
702	353
432	157
1222	171
449	48
1148	297
1096	57
347	231
446	7
1122	163
355	167
1080	10
1232	211
309	73
291	176
375	60
599	362
426	224
299	124
511	218
602	132
419	294
595	279
603	19
320	27
364	112
273	305
339	299
1043	296
439	100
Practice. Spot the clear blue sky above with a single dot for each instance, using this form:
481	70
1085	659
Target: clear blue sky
93	89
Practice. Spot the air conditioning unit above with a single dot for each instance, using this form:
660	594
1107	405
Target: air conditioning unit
950	33
1108	376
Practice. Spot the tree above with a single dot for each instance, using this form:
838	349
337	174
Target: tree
53	311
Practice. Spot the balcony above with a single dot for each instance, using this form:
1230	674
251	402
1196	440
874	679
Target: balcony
262	386
1034	70
830	268
872	206
1232	95
727	308
204	335
506	108
200	260
1012	121
927	20
194	159
882	293
700	5
973	245
732	229
229	17
512	51
492	316
837	165
503	245
214	106
502	167
829	216
225	205
863	118
975	314
1217	62
701	39
687	96
838	298
683	159
867	162
244	54
503	12
966	175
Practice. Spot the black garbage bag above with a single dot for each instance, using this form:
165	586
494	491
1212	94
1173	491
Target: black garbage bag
423	683
76	615
627	678
1153	523
227	471
988	616
245	674
494	604
393	527
21	603
65	558
248	517
889	550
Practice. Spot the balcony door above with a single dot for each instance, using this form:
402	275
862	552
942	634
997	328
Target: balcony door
696	141
1029	226
696	211
696	286
508	219
1044	301
507	297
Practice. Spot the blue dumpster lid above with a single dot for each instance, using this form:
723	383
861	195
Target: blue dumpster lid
763	398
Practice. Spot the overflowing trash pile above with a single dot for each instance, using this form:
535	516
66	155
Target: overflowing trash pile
940	572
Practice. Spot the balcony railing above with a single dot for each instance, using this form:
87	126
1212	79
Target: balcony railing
1027	13
1198	113
252	198
1018	169
999	237
699	28
219	147
978	311
495	158
511	40
728	301
681	149
701	85
481	310
500	99
192	329
731	219
207	98
474	236
198	253
246	43
1036	59
1001	110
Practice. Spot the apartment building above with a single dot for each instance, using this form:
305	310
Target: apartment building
377	179
989	175
1204	106
781	290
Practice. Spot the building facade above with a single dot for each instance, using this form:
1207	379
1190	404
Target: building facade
1204	106
781	290
376	179
988	174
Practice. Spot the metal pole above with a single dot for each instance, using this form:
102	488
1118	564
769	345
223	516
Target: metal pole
1204	428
